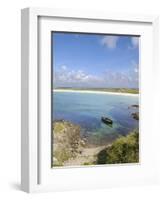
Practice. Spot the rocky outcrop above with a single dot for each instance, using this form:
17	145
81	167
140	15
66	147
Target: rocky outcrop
67	142
135	106
135	115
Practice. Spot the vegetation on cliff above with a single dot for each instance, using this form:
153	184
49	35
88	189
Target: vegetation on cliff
70	149
67	142
122	150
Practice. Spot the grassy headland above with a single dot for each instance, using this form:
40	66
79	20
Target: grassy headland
122	150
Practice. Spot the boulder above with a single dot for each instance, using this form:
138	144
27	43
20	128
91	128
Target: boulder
135	115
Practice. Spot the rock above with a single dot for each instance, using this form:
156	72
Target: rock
135	106
135	115
67	142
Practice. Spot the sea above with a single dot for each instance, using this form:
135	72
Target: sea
86	110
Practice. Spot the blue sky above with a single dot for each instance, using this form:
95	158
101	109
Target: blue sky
95	60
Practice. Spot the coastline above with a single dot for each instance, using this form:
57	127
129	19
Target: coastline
96	92
75	152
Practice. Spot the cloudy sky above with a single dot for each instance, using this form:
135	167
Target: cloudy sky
93	60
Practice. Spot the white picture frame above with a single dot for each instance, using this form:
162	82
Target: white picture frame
36	172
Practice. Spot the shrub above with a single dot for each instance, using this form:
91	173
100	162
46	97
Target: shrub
122	150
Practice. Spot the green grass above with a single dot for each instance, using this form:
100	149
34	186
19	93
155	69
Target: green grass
59	127
122	150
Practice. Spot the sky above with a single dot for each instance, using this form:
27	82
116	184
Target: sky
95	60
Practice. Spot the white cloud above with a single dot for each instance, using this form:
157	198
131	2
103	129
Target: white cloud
110	41
117	79
63	67
135	42
128	78
66	77
135	70
135	66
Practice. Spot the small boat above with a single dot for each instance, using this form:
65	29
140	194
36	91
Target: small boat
106	120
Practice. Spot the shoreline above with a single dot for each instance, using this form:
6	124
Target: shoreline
96	92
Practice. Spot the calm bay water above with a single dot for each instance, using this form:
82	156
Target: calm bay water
86	110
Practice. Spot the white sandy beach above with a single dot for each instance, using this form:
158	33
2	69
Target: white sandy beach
96	92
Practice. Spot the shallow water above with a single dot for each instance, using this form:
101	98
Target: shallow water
86	110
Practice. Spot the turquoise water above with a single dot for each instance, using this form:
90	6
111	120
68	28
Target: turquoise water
86	110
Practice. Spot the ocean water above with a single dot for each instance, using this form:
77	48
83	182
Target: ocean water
86	110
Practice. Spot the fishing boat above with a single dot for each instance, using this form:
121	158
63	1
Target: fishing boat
106	120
